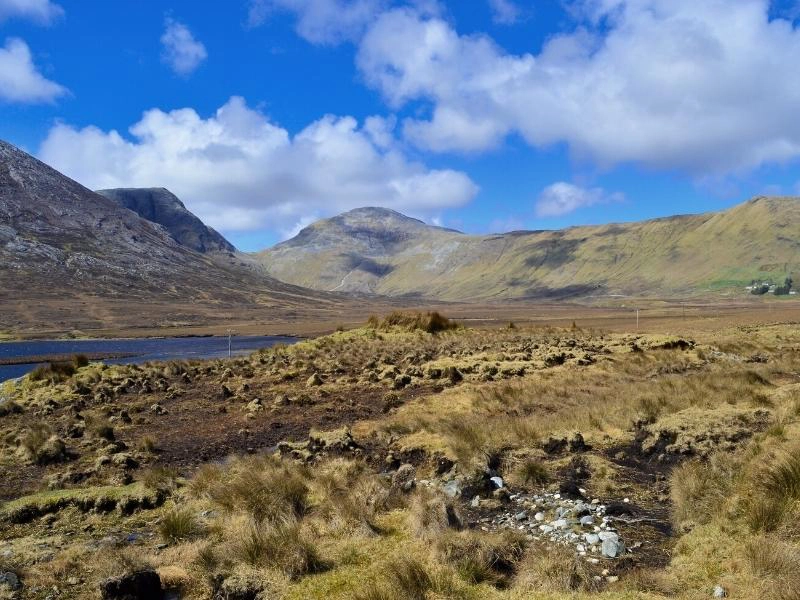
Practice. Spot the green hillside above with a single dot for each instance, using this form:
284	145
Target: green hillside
383	252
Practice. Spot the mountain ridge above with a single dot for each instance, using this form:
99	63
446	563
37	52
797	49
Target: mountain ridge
72	258
677	254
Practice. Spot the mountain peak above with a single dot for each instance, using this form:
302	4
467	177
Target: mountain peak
159	205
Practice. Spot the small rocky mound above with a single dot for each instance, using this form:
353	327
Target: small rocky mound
699	432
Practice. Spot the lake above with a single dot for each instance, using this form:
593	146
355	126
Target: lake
135	350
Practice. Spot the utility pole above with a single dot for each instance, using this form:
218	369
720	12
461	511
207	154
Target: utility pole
637	319
230	333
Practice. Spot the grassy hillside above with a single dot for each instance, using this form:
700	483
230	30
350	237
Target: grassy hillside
686	255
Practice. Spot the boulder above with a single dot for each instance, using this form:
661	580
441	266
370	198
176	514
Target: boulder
10	580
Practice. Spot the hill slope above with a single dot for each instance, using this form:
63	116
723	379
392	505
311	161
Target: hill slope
386	253
161	206
72	258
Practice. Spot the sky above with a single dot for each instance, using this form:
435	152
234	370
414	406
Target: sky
480	115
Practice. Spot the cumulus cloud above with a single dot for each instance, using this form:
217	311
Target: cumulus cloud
504	12
20	81
40	11
181	51
321	21
704	87
238	171
562	198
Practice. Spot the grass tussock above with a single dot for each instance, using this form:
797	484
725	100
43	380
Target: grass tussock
179	524
284	546
431	514
777	564
700	489
555	571
409	578
533	472
429	322
59	371
482	558
264	488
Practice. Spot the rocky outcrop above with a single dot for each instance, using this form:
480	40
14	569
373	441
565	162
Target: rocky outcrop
160	206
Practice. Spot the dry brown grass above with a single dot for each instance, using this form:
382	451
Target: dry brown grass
554	570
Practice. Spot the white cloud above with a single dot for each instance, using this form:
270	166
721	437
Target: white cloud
41	11
321	21
181	51
20	81
238	171
562	198
504	12
704	87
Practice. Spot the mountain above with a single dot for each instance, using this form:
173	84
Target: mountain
383	252
161	206
71	258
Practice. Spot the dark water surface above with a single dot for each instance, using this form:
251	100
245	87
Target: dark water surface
142	350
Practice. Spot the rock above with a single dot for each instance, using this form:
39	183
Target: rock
612	548
140	585
403	478
539	516
608	536
587	520
560	524
719	592
314	381
521	516
10	580
476	502
497	482
591	538
452	488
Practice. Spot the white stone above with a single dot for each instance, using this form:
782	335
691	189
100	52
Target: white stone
608	535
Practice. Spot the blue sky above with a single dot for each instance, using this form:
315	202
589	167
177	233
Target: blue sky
483	115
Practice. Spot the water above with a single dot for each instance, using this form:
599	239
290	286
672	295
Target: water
143	350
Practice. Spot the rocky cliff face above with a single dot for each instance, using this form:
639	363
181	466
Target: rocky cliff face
159	205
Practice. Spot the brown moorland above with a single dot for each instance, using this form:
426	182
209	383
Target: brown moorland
513	461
